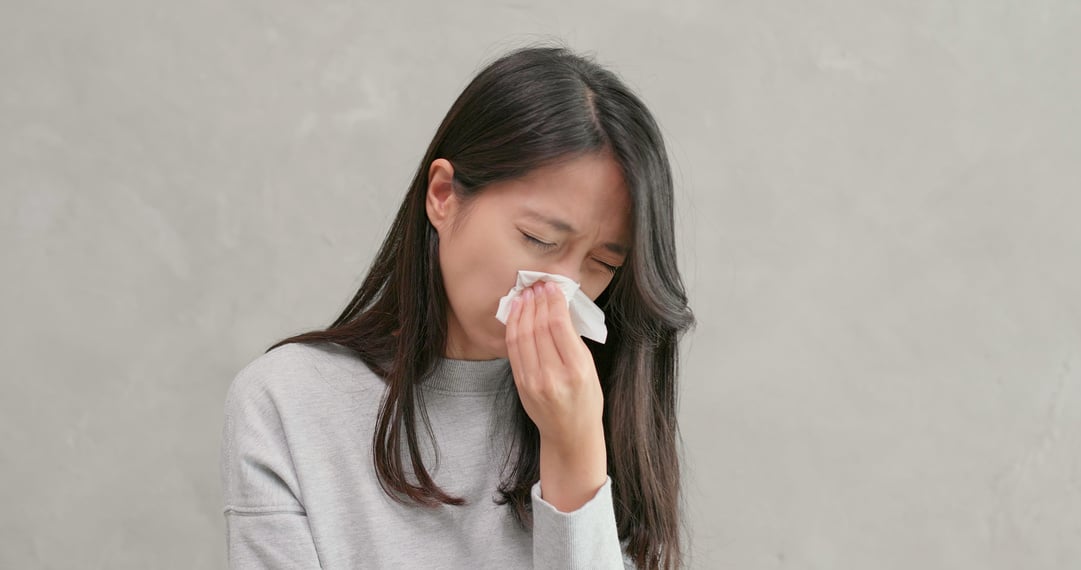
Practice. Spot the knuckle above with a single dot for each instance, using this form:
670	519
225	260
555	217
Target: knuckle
544	390
558	325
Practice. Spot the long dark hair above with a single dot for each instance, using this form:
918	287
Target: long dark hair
530	108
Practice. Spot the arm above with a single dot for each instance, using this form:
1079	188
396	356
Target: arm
266	524
574	523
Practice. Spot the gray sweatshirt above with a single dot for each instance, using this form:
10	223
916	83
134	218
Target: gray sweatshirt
300	488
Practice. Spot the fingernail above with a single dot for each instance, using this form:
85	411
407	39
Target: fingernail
528	294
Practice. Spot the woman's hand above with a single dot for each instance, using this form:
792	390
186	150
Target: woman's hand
558	385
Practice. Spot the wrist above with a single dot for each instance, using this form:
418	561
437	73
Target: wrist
571	474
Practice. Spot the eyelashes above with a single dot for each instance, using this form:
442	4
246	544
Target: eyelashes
608	268
547	246
538	243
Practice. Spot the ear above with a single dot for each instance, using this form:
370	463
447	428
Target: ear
440	201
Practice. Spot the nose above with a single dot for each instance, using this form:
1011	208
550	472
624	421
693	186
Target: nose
565	270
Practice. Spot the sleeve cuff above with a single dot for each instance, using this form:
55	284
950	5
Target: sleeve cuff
584	538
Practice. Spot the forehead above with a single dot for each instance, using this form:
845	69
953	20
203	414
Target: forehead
587	192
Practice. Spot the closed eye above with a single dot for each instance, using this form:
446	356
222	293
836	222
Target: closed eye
610	268
537	242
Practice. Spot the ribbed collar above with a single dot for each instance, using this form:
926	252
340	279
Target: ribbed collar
470	376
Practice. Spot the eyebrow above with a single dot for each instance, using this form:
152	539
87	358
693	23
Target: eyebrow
565	227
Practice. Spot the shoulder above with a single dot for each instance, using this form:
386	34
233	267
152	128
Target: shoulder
301	371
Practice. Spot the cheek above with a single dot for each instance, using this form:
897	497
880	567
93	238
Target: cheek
596	286
501	272
481	277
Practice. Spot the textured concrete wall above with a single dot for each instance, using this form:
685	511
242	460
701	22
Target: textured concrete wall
879	207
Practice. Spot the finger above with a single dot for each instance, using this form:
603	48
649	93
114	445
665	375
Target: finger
527	344
567	340
512	333
546	348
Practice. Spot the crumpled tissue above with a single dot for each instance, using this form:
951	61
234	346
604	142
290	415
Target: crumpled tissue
587	317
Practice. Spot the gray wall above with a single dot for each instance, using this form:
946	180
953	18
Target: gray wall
878	206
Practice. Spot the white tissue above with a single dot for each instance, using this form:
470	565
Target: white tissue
587	317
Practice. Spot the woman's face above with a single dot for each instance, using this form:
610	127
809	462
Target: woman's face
577	211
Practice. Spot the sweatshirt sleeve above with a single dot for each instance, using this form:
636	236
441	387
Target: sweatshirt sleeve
266	525
586	538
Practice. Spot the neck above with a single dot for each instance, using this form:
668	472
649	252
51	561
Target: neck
458	346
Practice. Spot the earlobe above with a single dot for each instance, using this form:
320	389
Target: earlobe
440	196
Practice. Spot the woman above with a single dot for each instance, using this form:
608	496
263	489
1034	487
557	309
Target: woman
542	449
